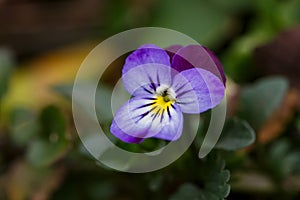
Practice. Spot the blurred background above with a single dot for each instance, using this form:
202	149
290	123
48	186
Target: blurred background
42	44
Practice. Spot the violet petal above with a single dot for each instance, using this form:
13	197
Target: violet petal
140	117
146	54
116	131
200	57
144	79
217	62
172	50
172	130
197	90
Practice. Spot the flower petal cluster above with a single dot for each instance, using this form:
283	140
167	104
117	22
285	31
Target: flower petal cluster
164	85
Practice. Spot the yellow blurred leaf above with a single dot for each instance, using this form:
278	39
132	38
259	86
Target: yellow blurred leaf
30	84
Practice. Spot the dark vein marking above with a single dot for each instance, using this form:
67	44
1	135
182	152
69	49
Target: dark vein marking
168	109
158	81
147	90
180	102
145	105
153	86
182	86
162	115
149	98
156	114
184	92
173	107
145	114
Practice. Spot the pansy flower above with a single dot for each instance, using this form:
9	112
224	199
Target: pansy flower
164	85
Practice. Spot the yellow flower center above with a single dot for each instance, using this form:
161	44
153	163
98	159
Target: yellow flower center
162	103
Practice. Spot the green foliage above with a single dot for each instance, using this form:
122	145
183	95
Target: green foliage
42	153
271	16
236	134
237	60
51	143
259	101
215	179
201	20
6	64
188	191
285	157
24	126
53	122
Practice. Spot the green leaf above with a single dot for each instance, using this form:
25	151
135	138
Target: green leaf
237	60
43	153
271	17
236	134
53	123
24	126
188	191
52	143
286	159
215	180
259	101
6	64
289	12
215	176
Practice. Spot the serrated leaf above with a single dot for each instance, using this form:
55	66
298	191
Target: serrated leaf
188	191
215	176
259	101
237	134
215	179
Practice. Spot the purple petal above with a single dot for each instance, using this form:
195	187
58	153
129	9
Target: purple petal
173	129
140	117
172	50
217	62
144	79
197	90
198	56
123	136
146	54
134	118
